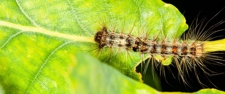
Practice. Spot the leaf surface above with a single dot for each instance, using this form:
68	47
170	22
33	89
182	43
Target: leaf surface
39	40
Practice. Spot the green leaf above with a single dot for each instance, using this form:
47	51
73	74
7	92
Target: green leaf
39	38
1	90
90	76
209	91
93	77
38	27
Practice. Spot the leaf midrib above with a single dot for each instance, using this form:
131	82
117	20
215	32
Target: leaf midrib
74	38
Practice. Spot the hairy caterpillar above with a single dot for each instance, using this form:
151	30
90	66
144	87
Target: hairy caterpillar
189	54
105	38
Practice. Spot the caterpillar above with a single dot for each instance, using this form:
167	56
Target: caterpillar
164	48
188	54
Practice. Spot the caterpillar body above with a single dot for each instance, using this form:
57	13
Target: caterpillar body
105	38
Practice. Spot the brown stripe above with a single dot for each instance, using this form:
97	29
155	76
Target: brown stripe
112	37
163	48
184	50
128	42
174	49
137	44
111	42
121	37
120	45
144	47
153	50
193	49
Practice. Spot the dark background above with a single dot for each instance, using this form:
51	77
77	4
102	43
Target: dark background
190	9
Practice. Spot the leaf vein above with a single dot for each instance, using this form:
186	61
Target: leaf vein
73	12
138	8
47	32
25	14
10	38
43	65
